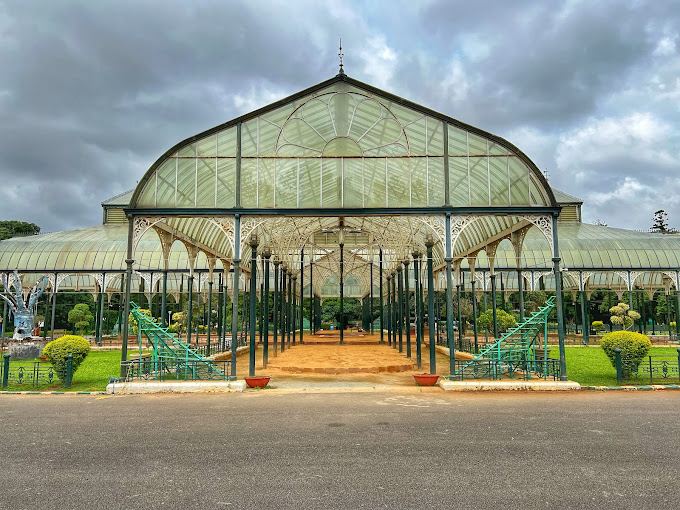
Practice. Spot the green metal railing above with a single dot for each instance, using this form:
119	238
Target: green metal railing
170	356
517	348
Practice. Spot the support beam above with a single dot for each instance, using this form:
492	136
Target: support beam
190	309
400	306
419	319
493	304
430	304
312	329
164	300
302	297
389	310
558	301
342	293
407	308
126	311
275	311
520	291
210	303
382	303
266	255
253	302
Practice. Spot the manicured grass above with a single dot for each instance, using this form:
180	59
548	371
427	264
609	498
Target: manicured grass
590	366
92	375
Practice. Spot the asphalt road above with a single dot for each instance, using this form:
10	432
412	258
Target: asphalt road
341	450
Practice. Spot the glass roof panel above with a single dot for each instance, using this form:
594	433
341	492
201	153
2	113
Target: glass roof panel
435	176
479	181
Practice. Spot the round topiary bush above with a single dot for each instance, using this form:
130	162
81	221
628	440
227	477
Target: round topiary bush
634	347
57	351
598	326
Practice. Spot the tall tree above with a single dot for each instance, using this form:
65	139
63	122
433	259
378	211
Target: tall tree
11	228
660	220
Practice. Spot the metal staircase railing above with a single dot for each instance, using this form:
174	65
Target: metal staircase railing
517	348
171	358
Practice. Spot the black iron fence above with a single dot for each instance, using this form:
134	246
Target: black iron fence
505	369
659	369
32	373
146	368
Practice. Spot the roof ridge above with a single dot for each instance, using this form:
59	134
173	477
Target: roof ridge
117	196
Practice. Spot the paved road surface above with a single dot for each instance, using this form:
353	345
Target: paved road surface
341	450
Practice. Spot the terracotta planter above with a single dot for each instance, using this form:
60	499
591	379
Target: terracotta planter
426	379
258	381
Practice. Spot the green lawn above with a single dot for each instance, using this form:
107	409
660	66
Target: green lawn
590	366
92	375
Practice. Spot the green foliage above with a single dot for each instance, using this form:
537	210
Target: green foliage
11	228
598	326
622	315
57	351
81	317
330	310
505	320
634	346
534	299
133	321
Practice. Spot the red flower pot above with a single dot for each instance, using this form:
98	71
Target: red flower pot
426	379
258	382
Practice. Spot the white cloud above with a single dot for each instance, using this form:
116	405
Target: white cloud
665	47
379	61
639	137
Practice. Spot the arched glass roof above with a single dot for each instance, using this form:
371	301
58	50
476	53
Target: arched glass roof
342	144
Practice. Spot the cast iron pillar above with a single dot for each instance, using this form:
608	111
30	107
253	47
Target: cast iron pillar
493	304
407	312
429	243
253	302
400	306
416	293
389	311
266	255
382	310
342	293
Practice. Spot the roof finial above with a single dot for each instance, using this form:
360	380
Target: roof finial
342	72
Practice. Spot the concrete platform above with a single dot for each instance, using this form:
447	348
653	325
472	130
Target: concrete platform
140	387
538	385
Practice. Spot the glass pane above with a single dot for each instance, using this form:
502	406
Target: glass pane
435	137
265	188
226	142
188	151
205	196
458	182
457	141
535	189
166	183
397	182
286	183
479	181
415	133
341	107
366	114
498	171
249	183
353	182
207	146
186	182
519	185
310	183
477	145
374	182
330	183
435	183
226	180
249	138
418	182
148	196
269	134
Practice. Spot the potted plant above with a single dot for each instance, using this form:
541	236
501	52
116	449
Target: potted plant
426	379
259	381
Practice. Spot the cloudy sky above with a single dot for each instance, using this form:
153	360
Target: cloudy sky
93	92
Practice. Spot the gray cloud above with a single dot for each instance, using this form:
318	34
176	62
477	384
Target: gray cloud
92	93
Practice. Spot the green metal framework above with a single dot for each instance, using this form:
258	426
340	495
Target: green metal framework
517	345
171	358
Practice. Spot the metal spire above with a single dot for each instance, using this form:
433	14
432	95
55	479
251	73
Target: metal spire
341	72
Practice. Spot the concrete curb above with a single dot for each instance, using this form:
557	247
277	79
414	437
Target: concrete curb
509	385
142	387
52	393
650	387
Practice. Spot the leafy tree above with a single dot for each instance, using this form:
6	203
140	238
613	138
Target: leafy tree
11	228
622	315
81	317
660	220
504	319
133	321
534	299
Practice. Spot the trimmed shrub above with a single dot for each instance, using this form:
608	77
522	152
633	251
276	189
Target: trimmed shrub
505	320
57	351
634	347
598	326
